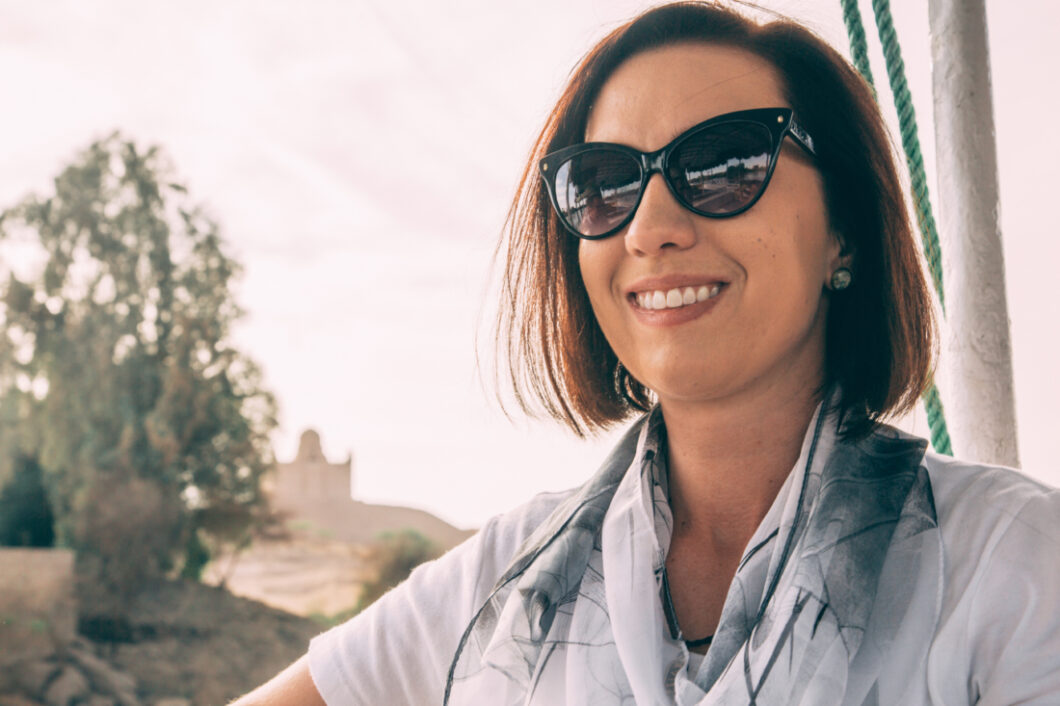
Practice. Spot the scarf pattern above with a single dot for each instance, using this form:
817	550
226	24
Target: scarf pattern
843	570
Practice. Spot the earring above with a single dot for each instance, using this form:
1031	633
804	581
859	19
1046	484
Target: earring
841	279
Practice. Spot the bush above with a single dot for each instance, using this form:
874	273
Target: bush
125	530
25	513
390	559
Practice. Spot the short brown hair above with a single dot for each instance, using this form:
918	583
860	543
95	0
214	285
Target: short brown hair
880	333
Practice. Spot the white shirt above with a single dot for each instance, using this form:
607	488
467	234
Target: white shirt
997	640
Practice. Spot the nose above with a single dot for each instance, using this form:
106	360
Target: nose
660	222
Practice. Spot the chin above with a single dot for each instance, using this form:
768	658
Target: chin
689	382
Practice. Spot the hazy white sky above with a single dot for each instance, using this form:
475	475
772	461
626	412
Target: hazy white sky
305	127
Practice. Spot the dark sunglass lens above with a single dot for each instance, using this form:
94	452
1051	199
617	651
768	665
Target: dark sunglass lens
722	169
596	190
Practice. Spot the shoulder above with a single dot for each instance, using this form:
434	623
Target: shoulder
980	506
991	518
398	650
998	624
504	534
473	567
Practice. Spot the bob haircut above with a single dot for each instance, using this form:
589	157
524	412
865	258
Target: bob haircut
880	333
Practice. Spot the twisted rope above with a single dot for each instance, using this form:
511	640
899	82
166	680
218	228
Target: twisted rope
903	101
859	48
940	434
892	54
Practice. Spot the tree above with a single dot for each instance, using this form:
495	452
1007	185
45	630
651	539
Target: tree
25	515
116	365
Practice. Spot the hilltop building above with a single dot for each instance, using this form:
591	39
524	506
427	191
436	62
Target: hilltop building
317	564
302	485
312	492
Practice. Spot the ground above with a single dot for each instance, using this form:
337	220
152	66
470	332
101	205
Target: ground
184	639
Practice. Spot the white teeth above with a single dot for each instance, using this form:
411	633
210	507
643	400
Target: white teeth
678	297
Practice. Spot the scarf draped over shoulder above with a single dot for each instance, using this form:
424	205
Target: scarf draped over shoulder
842	575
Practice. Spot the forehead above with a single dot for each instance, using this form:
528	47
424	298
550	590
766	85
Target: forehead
657	94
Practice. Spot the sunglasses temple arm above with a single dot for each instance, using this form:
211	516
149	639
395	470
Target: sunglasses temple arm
801	137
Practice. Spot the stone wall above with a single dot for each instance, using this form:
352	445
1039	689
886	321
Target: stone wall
38	611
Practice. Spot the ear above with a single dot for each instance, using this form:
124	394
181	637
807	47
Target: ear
840	254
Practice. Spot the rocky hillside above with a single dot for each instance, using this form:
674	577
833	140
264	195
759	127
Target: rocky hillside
314	564
184	644
296	573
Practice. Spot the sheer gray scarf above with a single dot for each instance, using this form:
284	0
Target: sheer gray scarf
842	575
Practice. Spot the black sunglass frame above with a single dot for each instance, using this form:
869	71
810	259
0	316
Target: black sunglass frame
779	122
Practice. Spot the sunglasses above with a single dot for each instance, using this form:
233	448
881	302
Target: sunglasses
717	169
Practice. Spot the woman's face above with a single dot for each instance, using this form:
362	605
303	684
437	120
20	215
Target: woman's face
762	333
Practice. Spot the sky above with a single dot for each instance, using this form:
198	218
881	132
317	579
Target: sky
360	158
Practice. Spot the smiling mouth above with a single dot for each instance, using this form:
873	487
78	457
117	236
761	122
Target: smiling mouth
675	298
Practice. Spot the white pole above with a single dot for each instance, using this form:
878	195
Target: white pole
976	367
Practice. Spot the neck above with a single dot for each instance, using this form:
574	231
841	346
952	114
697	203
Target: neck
728	459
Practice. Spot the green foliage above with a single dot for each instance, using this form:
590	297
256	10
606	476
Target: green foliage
223	529
196	557
25	514
388	561
115	361
329	621
391	558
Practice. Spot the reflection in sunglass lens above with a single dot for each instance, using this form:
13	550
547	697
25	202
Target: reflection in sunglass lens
596	190
721	169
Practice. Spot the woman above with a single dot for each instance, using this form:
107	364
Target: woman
712	232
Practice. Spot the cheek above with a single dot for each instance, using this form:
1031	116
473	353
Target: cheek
588	274
808	246
787	271
594	263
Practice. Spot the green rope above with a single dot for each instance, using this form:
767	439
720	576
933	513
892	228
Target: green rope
903	101
859	48
940	436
